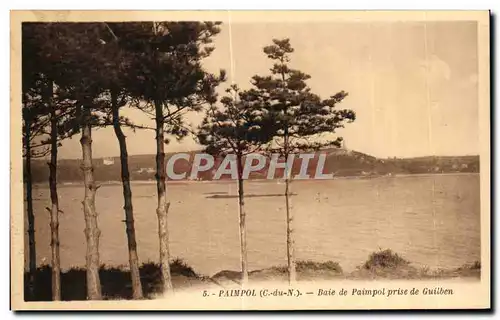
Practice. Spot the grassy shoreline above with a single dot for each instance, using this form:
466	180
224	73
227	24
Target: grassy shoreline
116	283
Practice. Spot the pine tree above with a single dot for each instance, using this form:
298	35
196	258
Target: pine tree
298	119
235	129
171	81
43	114
34	123
116	62
73	55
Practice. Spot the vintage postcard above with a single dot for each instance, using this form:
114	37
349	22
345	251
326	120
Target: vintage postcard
232	160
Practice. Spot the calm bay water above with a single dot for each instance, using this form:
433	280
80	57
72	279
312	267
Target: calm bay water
431	220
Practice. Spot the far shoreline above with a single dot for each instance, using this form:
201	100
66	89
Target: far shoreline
277	181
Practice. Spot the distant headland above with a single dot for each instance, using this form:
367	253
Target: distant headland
340	162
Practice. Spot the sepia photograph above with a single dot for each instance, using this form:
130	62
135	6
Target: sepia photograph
226	160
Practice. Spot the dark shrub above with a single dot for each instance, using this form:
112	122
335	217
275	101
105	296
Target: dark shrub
179	267
476	265
318	266
115	282
385	259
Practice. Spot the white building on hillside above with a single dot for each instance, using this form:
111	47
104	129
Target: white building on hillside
108	161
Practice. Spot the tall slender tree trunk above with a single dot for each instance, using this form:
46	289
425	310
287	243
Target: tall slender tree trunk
127	198
163	206
29	210
290	242
243	228
54	210
92	231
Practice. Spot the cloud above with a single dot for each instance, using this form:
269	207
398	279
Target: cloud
435	69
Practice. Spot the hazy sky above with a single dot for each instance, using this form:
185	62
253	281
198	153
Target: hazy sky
413	85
